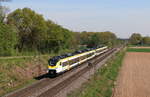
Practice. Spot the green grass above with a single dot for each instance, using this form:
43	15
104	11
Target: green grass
102	83
138	50
138	45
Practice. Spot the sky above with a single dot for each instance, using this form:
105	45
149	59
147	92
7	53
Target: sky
123	17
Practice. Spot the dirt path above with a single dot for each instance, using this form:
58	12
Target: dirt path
134	78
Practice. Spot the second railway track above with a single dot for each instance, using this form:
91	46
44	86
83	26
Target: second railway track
49	87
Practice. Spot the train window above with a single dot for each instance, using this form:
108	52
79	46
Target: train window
70	62
89	55
77	59
99	51
65	63
73	61
83	57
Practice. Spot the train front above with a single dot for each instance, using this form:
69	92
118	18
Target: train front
52	66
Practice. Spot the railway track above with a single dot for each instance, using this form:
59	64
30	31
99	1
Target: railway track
49	87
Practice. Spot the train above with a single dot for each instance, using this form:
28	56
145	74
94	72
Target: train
63	63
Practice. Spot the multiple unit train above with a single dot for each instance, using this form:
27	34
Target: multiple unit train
60	64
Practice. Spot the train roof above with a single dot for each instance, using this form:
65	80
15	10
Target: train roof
56	58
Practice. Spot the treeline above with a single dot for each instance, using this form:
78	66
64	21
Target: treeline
24	30
138	39
93	39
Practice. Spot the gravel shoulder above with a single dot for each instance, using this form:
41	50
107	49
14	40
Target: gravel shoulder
134	77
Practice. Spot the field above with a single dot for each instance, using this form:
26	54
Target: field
139	46
134	78
138	49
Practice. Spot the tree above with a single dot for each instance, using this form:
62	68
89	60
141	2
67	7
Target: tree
93	39
35	33
8	34
86	38
3	11
107	38
76	40
1	14
135	39
57	38
31	26
146	40
8	40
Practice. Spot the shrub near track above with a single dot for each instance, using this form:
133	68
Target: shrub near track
103	81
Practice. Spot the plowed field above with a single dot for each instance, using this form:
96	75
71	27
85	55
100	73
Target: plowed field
134	78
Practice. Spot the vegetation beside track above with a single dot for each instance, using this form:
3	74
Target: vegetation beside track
103	81
18	72
138	50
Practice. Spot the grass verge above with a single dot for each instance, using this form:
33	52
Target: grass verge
138	45
102	83
138	50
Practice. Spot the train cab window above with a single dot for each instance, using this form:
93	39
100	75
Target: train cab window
53	62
